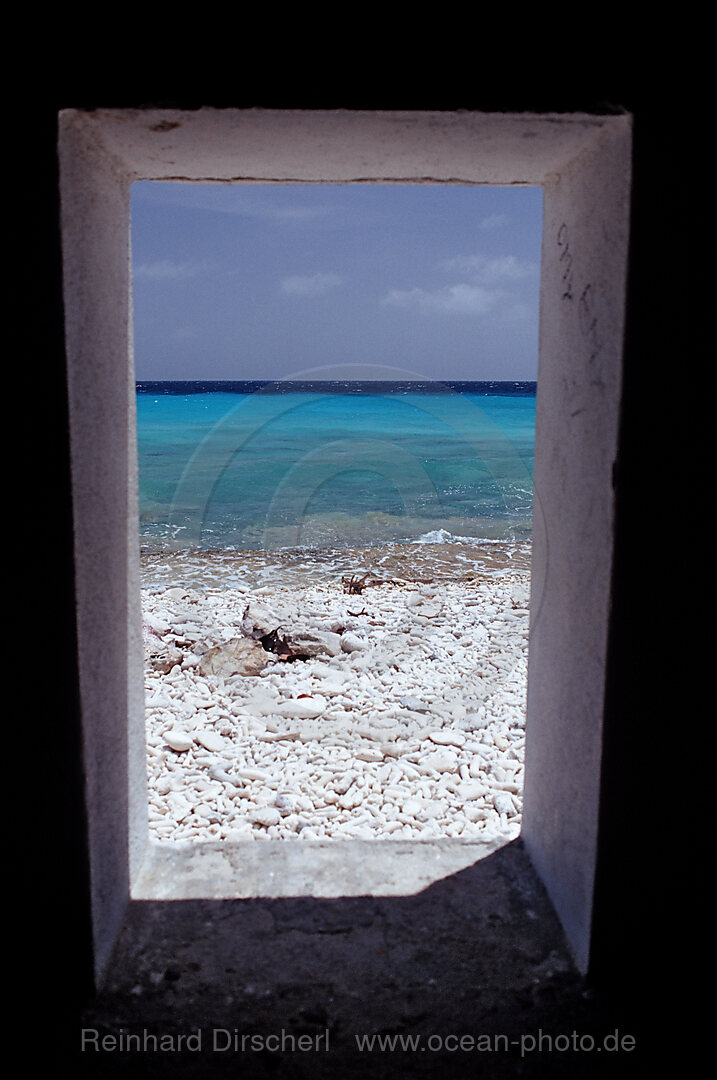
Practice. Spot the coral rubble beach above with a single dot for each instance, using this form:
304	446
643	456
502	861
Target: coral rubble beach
403	718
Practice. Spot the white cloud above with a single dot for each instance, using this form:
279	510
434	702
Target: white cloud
460	299
488	285
494	221
310	284
486	271
167	270
240	200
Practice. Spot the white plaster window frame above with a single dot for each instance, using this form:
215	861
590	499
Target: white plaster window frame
582	162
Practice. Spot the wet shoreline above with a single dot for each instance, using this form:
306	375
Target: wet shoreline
456	560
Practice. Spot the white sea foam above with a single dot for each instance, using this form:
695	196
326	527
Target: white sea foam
435	536
443	536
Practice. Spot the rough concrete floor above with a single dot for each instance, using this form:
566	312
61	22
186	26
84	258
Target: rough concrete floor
477	954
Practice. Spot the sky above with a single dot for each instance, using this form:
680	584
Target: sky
311	281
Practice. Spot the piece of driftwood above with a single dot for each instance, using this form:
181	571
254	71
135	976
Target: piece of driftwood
355	584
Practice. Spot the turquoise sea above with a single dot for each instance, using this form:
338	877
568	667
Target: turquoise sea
286	472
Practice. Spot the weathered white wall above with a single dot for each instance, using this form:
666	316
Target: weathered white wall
336	145
96	264
579	379
583	164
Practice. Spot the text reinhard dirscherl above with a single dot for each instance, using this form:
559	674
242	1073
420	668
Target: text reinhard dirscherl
218	1040
223	1040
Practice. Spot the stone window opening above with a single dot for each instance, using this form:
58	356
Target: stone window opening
582	163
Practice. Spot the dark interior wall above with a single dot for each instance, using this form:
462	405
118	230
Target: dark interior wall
651	873
646	886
